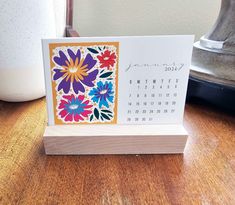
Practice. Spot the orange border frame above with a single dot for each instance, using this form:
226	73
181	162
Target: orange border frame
53	46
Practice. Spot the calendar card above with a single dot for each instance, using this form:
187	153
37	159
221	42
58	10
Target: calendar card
117	80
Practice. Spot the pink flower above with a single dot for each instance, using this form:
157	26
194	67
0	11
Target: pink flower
74	108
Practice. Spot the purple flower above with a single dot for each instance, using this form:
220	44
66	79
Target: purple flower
75	71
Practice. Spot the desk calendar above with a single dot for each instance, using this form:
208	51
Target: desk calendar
114	95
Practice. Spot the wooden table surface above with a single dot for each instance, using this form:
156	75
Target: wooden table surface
205	174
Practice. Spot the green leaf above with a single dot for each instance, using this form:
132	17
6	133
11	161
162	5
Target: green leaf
102	118
91	118
96	113
108	111
109	78
105	116
105	75
99	48
102	71
92	50
110	115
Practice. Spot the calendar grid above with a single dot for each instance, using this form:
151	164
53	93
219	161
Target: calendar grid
151	99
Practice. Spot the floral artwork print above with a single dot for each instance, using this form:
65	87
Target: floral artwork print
84	82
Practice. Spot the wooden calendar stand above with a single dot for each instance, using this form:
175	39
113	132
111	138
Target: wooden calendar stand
114	139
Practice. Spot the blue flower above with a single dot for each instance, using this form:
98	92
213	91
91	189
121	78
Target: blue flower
102	94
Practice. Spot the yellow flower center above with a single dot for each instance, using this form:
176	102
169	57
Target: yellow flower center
75	70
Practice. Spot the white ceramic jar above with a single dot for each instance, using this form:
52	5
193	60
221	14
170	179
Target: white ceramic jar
22	26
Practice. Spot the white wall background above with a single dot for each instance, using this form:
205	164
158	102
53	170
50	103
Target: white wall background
60	16
149	17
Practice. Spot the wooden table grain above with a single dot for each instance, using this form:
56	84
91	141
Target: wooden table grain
205	174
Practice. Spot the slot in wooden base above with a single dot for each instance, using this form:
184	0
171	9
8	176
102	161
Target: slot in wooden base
114	139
